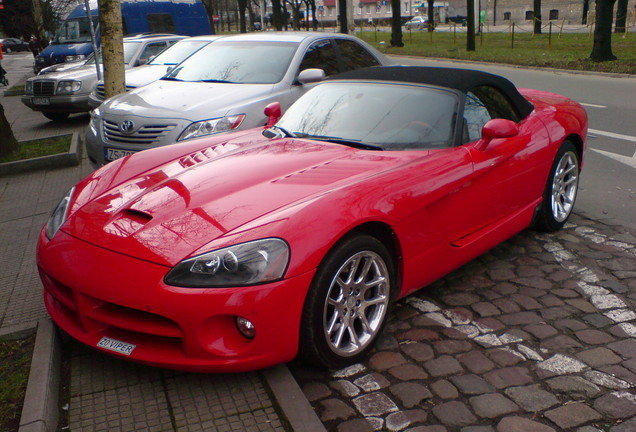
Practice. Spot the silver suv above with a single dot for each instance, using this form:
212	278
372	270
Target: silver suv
58	94
222	87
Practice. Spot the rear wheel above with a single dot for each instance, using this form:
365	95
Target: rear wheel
561	189
347	302
56	116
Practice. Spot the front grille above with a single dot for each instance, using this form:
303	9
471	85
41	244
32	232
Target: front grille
101	93
145	135
43	88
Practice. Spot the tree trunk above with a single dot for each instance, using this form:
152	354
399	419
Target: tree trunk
470	25
277	15
112	47
431	15
586	10
242	8
602	48
537	17
396	24
8	143
621	16
344	23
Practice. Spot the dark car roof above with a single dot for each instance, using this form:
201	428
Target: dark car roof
458	79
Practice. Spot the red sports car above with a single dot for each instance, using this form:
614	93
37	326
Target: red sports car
245	250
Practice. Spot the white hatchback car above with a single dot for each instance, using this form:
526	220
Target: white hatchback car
224	86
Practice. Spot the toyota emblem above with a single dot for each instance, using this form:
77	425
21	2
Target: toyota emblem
127	126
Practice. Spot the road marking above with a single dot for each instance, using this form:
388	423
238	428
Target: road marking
630	161
613	135
593	105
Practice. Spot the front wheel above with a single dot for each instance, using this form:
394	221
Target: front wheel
561	189
347	302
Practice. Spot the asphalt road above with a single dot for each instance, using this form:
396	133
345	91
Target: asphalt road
608	182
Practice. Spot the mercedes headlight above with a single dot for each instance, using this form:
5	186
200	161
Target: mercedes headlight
244	264
68	87
70	58
28	87
58	217
212	126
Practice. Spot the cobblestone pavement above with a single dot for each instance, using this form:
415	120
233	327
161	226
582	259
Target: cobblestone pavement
537	335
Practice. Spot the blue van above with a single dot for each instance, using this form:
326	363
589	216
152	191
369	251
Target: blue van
72	41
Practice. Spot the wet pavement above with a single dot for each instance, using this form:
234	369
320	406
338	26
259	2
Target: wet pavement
538	334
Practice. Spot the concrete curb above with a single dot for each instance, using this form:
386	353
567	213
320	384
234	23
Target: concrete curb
40	409
292	401
70	158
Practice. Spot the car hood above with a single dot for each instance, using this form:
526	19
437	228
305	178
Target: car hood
174	210
191	101
142	75
77	73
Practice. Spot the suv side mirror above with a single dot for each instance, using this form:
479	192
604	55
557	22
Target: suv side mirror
312	75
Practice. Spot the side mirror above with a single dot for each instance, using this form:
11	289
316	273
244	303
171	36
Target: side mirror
273	113
309	76
496	128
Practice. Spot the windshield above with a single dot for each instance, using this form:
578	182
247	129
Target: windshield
177	52
389	116
130	48
238	62
75	31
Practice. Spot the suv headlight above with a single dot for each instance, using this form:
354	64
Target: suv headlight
244	264
28	87
58	217
68	87
212	126
70	58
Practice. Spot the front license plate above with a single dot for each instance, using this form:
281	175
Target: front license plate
115	345
112	153
40	101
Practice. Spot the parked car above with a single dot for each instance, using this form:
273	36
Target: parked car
222	87
59	94
416	23
72	40
13	45
155	68
243	250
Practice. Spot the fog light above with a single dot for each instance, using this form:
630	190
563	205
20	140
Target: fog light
246	327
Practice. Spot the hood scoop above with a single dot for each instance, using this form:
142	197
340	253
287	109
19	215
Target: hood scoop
127	222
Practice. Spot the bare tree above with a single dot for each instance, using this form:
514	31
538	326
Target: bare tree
431	15
537	16
344	22
470	25
602	48
110	22
621	16
396	24
8	143
242	8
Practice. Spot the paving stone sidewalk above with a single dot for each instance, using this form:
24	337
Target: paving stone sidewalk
537	335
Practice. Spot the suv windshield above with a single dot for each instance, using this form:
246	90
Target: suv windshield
75	31
237	62
387	116
177	52
130	48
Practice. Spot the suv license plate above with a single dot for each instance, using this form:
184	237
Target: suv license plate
115	345
110	154
40	101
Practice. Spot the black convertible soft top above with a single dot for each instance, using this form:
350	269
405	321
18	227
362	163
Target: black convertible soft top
459	79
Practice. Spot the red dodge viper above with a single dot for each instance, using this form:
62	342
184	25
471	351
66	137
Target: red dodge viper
248	249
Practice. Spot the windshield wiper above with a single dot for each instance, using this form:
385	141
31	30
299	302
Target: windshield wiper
344	141
166	78
217	81
280	131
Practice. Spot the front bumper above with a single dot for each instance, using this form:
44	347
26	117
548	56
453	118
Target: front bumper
93	293
56	103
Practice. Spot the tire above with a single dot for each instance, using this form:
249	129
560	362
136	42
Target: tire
347	303
56	116
561	189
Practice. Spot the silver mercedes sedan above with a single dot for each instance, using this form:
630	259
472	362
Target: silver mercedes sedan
224	86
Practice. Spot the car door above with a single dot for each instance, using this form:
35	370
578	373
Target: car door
503	180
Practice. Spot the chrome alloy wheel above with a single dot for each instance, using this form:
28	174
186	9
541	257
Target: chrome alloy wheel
357	302
564	186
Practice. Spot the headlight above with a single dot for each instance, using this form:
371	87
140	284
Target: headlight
244	264
59	215
68	87
77	57
94	123
212	126
28	87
